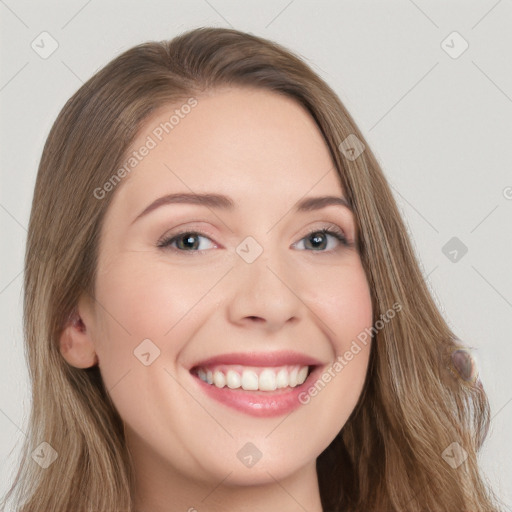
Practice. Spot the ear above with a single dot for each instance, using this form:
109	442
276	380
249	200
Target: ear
76	345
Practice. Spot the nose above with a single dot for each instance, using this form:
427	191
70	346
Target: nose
264	292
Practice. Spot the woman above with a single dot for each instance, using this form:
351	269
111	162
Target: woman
187	349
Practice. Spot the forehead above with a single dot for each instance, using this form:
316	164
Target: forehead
242	142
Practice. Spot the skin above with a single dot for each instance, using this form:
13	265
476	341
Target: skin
265	152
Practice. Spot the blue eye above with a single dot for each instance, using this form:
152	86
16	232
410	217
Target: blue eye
319	238
187	237
188	241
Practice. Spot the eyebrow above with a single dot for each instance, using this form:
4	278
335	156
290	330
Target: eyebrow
219	201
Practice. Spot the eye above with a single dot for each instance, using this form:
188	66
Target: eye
319	238
186	241
189	241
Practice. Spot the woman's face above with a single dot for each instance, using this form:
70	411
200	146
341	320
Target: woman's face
259	290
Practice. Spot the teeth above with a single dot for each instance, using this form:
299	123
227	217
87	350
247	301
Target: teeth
249	380
233	379
219	379
293	377
282	378
302	375
268	379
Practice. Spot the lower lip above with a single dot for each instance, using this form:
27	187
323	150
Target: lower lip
262	404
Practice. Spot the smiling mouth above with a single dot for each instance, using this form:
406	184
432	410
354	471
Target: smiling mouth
282	386
253	378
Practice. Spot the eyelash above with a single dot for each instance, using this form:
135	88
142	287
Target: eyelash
335	232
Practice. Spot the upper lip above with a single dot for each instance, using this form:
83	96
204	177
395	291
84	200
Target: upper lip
279	358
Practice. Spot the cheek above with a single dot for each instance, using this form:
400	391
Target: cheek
143	300
344	304
148	298
345	307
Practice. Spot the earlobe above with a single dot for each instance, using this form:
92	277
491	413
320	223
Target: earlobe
76	345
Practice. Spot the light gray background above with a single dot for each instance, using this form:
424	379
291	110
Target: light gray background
440	126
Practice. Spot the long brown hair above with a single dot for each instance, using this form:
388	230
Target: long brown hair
390	455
